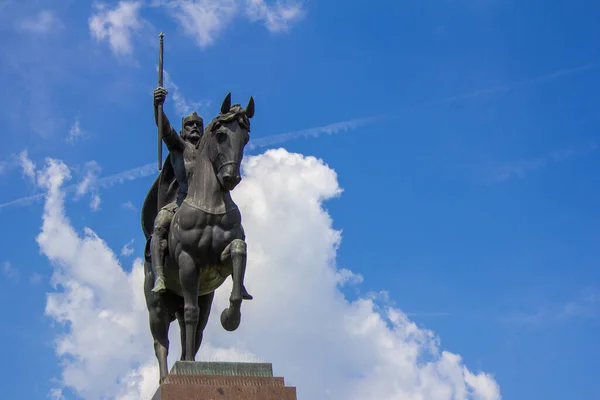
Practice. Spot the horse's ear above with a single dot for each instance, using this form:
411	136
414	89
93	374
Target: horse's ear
250	108
226	106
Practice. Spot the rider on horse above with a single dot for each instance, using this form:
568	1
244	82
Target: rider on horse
181	148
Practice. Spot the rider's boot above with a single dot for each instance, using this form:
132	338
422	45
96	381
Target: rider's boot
159	280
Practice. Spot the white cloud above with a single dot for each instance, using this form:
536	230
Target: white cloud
202	20
276	17
56	394
27	166
182	105
127	250
89	180
347	277
43	23
327	346
95	202
117	25
89	184
75	132
97	303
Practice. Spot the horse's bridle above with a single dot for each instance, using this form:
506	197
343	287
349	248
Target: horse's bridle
220	164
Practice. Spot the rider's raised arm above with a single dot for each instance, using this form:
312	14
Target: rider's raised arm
170	136
172	139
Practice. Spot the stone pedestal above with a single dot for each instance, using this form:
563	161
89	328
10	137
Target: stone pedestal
223	381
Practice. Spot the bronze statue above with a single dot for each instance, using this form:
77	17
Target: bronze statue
193	230
181	152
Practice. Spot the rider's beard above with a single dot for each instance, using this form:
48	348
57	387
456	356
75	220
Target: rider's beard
193	136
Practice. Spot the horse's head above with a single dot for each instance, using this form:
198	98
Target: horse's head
228	135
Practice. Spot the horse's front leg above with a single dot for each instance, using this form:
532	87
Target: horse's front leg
236	254
204	303
189	277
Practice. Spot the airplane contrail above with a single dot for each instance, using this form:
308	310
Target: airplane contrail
344	126
150	169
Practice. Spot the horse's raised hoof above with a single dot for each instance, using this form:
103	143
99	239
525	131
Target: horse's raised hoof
230	318
161	380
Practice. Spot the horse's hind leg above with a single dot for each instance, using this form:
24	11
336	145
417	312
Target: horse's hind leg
189	277
159	327
159	323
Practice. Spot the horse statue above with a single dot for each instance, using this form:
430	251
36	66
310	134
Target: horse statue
206	241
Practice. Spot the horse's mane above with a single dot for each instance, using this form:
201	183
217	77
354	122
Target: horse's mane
235	111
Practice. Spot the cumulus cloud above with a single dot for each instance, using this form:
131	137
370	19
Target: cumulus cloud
327	346
203	21
44	22
117	25
94	304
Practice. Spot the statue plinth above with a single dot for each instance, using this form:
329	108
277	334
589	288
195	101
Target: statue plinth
223	381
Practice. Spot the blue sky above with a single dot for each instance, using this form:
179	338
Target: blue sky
462	136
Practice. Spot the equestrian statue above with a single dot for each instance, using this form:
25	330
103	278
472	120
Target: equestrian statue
194	235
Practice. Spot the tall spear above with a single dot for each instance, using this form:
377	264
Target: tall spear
160	106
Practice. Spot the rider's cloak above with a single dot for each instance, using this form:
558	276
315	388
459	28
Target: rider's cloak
162	192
